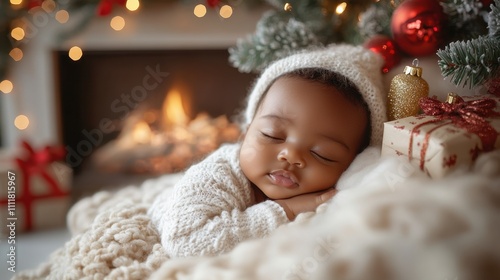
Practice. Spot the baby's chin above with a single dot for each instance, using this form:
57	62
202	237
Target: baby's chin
277	196
261	195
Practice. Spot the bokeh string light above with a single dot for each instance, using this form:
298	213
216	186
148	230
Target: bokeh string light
200	10
6	86
117	23
132	5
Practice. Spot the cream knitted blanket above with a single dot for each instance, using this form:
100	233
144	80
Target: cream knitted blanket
389	221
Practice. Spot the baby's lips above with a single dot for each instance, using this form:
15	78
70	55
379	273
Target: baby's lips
284	178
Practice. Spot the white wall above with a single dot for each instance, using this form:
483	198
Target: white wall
154	26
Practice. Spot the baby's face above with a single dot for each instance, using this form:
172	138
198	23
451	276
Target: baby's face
303	136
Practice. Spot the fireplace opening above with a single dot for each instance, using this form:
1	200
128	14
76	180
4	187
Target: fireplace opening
164	139
130	115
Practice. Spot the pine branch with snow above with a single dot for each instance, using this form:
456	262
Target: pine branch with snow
472	62
280	32
274	38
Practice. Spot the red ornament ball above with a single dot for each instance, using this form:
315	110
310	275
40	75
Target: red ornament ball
34	3
417	26
105	7
386	47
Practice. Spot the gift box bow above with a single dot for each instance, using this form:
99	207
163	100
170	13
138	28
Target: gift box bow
469	115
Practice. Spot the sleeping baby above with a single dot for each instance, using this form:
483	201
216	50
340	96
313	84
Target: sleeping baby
306	118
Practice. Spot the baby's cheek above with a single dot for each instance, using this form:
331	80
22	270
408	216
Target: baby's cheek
250	149
248	152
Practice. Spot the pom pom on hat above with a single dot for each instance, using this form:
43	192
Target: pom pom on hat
361	66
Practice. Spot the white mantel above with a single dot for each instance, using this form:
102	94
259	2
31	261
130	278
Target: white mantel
154	26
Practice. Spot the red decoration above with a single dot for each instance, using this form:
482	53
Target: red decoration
493	86
386	47
468	115
417	26
213	3
34	3
32	164
105	7
486	3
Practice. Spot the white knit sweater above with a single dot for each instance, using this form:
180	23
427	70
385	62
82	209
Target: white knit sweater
212	209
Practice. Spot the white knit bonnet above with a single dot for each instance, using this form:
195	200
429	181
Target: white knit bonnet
361	66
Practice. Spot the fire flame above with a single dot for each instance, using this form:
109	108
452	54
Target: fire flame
173	109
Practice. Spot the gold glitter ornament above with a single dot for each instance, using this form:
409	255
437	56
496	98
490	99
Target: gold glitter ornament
405	92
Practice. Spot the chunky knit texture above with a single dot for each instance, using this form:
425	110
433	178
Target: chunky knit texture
212	209
359	65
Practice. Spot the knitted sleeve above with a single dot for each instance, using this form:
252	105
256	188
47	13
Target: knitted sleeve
211	209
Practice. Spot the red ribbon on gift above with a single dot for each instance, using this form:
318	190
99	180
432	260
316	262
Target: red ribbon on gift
36	163
468	115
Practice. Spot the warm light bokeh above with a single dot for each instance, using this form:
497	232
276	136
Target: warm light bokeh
226	11
75	53
62	16
16	54
48	6
117	23
132	5
17	33
200	10
21	122
6	86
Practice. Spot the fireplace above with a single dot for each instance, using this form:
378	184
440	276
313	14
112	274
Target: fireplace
113	98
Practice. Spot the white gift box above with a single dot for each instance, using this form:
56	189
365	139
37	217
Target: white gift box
435	147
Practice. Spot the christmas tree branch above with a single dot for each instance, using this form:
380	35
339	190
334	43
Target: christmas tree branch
471	62
280	32
273	39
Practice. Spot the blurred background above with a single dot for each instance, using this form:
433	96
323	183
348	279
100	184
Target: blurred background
104	93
